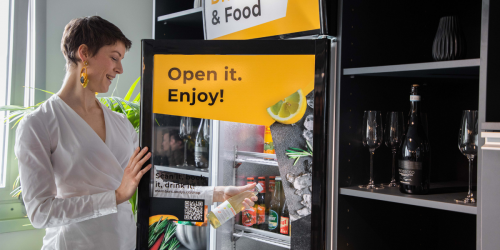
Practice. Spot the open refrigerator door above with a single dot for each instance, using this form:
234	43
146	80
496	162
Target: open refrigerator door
260	122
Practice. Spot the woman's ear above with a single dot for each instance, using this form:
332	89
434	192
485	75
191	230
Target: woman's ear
83	52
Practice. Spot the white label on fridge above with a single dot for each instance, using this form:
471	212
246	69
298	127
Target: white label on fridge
223	17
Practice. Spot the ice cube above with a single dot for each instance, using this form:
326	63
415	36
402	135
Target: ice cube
308	165
308	135
302	181
304	212
310	101
290	178
306	200
309	122
298	192
294	217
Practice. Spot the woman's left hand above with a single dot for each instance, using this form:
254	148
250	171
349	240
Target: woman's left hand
223	193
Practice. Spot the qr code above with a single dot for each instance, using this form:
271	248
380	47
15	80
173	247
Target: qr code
193	210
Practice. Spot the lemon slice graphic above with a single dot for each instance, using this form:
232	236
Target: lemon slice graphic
290	110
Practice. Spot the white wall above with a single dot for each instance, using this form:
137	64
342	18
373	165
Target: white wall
133	17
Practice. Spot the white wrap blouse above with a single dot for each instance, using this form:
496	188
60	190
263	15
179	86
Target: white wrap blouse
69	176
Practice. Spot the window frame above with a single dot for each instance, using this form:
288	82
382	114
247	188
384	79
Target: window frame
12	211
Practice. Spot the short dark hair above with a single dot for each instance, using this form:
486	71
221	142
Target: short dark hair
174	134
93	31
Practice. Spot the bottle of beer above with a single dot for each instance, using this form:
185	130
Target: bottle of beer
274	210
269	196
261	206
268	141
285	219
241	181
249	217
272	183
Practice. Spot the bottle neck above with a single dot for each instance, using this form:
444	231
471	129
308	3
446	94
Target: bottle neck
277	188
414	107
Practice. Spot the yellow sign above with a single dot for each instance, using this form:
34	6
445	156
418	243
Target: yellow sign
237	88
249	19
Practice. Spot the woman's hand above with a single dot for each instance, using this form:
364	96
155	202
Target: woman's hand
223	193
132	175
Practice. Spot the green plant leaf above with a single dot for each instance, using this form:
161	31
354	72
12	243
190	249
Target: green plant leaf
120	104
137	99
133	201
131	89
12	108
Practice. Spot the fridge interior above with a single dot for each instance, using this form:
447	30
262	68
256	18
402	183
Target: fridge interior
235	139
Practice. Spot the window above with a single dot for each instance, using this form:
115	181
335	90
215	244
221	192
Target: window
4	83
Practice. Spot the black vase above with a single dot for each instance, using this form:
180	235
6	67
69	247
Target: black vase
449	43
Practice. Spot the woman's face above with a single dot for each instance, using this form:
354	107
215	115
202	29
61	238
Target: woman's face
104	66
166	142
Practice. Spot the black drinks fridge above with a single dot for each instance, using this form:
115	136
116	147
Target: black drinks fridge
205	111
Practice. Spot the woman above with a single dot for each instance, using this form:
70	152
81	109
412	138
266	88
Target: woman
80	162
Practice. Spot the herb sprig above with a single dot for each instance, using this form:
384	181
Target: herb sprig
168	244
297	153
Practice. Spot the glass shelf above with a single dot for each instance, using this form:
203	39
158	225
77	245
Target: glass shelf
185	170
255	158
262	236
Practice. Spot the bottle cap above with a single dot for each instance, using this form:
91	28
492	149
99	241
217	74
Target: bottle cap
259	188
250	178
262	177
272	177
278	178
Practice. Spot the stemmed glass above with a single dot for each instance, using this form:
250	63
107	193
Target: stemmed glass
394	129
468	143
185	132
372	138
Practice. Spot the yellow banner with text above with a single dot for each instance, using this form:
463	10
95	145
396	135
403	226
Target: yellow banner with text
249	19
236	88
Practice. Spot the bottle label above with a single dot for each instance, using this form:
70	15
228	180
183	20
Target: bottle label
263	184
271	186
284	225
414	98
249	217
199	150
224	212
261	214
273	219
410	172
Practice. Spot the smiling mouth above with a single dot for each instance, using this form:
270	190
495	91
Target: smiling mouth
110	78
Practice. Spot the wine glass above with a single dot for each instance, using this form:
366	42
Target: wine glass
468	143
372	138
394	129
185	132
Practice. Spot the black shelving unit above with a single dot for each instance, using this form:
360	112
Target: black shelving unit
385	46
178	20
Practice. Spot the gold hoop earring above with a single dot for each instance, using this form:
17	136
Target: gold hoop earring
84	78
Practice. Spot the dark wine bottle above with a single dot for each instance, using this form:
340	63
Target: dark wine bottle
414	154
